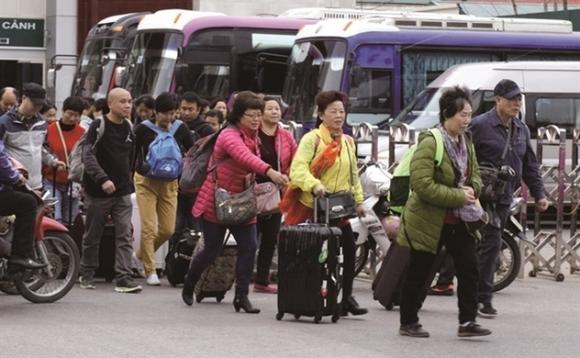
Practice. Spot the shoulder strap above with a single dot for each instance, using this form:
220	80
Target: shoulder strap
438	145
153	127
63	142
175	126
100	131
507	142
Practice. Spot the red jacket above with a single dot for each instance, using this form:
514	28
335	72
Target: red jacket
55	144
285	148
237	155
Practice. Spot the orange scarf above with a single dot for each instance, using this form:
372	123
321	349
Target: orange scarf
294	210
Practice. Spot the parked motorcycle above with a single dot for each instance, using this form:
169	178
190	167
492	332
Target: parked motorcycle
373	239
53	246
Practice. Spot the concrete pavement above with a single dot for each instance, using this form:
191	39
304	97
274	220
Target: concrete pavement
538	318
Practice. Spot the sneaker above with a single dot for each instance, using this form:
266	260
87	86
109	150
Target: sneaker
265	288
153	280
413	330
127	285
87	283
441	290
486	310
472	329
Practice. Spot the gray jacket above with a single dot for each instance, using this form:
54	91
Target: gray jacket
26	143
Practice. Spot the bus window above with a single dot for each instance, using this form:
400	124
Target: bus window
417	65
370	92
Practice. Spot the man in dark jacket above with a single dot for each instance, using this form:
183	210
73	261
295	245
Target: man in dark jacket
108	184
23	206
492	132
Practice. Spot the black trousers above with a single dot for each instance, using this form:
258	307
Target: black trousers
462	248
268	229
24	206
446	272
349	251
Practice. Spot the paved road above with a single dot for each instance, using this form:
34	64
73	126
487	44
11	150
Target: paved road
538	318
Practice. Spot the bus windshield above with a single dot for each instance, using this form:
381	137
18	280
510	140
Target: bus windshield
314	66
151	63
92	79
219	61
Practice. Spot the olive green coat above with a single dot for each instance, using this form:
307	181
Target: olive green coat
433	193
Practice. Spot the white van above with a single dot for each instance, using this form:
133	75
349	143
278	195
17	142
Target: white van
551	92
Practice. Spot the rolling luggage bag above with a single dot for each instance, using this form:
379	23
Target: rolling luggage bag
310	271
389	281
219	277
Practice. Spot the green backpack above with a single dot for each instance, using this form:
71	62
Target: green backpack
400	190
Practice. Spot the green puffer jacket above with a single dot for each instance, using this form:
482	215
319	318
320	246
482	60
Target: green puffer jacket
434	192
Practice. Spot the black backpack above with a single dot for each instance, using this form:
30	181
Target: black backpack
179	256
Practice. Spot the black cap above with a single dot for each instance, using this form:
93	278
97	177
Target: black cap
507	89
34	92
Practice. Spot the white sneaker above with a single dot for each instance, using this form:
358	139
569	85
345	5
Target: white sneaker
153	280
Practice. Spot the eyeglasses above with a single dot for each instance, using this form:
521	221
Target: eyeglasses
253	115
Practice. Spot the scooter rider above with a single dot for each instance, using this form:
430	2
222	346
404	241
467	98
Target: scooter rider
23	206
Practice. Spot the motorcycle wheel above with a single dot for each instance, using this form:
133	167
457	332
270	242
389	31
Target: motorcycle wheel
360	257
509	262
63	255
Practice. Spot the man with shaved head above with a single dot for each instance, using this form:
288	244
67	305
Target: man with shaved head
8	99
108	182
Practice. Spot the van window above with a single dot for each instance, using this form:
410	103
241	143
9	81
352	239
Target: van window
562	112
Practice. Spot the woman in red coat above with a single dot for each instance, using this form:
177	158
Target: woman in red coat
237	154
61	137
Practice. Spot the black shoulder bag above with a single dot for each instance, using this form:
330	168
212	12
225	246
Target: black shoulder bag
489	173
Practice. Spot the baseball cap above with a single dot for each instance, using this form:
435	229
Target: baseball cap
507	89
34	92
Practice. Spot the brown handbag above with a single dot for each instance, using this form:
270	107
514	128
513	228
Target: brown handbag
267	198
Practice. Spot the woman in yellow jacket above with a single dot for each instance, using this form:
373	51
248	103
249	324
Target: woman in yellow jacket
325	162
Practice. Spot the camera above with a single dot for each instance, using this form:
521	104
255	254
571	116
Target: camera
504	174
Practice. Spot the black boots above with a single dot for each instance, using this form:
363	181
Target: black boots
244	303
350	305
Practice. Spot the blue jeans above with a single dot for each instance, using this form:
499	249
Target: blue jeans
489	248
67	208
213	234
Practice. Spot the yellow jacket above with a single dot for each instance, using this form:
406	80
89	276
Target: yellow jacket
341	176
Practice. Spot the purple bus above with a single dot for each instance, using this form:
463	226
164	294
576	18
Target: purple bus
210	54
383	63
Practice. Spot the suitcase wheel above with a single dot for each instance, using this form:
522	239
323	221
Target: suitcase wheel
279	316
219	298
198	298
335	318
317	319
389	307
297	316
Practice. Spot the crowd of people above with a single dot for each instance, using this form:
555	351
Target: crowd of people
118	133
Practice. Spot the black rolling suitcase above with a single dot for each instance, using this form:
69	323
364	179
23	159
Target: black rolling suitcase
107	249
389	281
309	271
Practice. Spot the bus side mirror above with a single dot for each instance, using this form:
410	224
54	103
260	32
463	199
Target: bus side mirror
120	73
51	77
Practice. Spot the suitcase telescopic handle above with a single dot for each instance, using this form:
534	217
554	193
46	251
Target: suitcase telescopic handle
326	212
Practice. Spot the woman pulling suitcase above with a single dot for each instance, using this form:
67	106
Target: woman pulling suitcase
234	163
325	163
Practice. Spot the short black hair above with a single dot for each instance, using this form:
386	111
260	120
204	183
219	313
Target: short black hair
215	113
46	106
452	101
191	97
147	100
101	105
73	103
245	100
165	102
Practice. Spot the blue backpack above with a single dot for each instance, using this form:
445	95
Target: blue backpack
164	159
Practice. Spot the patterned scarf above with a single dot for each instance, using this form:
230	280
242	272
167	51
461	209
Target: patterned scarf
290	205
459	157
